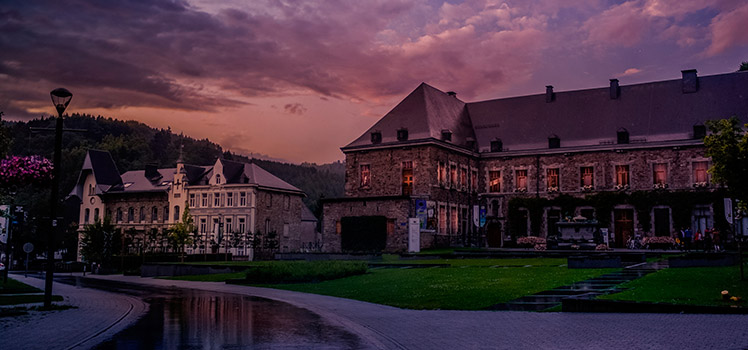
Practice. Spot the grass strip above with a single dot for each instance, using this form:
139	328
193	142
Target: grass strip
16	287
688	286
25	299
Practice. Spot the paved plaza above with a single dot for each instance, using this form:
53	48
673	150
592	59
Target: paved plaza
384	327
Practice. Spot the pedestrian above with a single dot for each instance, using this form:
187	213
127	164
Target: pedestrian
697	242
707	240
687	237
716	240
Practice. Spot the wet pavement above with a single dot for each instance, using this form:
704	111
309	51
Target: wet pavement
192	319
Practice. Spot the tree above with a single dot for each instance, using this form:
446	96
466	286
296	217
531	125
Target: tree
5	138
727	145
743	66
100	242
181	233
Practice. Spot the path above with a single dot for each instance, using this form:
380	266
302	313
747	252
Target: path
96	316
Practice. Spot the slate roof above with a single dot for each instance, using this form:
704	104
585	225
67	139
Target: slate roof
425	112
650	112
136	181
263	178
306	214
101	164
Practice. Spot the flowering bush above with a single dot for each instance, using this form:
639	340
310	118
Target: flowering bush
658	240
540	247
602	247
530	241
16	171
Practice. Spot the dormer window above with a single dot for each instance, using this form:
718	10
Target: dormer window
623	136
497	145
699	131
554	141
218	179
402	134
376	137
446	135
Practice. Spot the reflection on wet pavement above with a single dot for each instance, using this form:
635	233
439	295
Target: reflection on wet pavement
191	319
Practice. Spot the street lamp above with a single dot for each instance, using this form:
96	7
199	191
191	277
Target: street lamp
61	99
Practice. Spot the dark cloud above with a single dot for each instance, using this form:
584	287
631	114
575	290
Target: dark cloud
295	108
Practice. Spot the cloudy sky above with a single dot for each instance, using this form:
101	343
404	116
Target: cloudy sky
298	80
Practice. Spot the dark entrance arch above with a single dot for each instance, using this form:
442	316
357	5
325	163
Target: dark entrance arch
493	234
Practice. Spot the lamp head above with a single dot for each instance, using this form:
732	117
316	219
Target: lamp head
61	99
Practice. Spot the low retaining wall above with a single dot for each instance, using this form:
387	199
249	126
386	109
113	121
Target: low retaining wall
703	260
597	305
593	262
325	256
154	270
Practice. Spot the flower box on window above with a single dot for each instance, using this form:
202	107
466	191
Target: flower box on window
521	190
552	189
621	187
700	184
588	188
660	186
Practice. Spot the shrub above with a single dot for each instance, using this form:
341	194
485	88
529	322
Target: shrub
305	271
602	246
658	240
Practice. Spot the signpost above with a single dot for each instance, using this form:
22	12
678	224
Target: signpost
28	247
414	235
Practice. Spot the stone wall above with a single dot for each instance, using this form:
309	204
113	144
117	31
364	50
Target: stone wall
397	211
276	210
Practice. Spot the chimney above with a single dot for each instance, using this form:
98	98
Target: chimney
452	93
690	81
615	89
151	172
549	95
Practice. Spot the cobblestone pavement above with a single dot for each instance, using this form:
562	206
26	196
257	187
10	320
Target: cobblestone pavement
387	327
96	316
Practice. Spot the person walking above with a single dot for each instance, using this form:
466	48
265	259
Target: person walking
687	238
716	240
708	239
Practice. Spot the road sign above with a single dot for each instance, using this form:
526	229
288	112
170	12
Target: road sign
28	247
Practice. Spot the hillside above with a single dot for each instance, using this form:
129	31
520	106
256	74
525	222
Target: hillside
134	144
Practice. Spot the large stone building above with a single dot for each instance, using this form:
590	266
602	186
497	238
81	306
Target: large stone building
228	202
631	157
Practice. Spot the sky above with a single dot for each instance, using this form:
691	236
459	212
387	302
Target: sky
298	80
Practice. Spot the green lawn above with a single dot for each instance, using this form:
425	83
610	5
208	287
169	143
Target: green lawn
693	286
15	287
25	299
218	277
456	288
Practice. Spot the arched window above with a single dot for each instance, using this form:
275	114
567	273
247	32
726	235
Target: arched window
86	215
130	214
176	213
154	213
119	214
166	213
142	214
96	214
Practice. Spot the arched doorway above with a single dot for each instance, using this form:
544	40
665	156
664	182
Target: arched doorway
493	234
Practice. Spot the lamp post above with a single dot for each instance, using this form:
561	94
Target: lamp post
61	99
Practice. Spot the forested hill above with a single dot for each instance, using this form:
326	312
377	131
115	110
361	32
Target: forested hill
134	144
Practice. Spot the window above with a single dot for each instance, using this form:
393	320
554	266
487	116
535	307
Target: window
587	178
376	137
497	146
552	179
203	225
365	175
242	199
86	215
166	213
521	180
474	180
119	214
154	214
442	219
192	200
267	225
622	175
230	199
96	214
463	179
141	218
453	175
229	225
442	174
242	227
176	213
700	172
285	230
659	173
216	199
287	202
91	190
402	134
494	181
407	178
268	200
455	220
130	214
218	179
204	200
